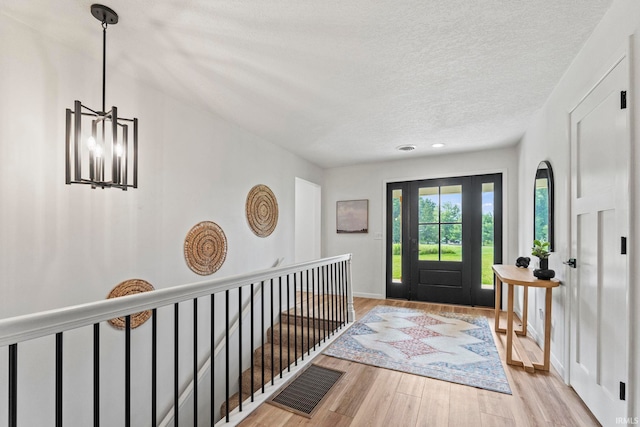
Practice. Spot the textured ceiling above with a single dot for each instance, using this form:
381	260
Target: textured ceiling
342	82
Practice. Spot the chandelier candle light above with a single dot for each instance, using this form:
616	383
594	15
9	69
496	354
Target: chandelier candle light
105	135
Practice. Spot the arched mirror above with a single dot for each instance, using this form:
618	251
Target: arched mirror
543	204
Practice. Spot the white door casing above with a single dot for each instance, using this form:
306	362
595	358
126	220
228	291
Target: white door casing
308	208
600	146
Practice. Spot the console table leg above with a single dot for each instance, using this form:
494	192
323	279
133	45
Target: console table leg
498	292
510	324
547	329
525	311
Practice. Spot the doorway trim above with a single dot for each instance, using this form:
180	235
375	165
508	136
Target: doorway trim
307	220
506	247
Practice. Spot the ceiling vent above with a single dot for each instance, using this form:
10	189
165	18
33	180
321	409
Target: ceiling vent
408	147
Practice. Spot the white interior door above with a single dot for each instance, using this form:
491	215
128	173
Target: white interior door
600	140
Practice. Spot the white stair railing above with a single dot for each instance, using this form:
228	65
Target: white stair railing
329	278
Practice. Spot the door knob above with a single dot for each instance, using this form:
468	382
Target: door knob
571	263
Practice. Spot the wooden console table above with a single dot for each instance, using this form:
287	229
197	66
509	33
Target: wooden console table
512	275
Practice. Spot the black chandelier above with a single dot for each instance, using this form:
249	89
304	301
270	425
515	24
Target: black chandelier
103	143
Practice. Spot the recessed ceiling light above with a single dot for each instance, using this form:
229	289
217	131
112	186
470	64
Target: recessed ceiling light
407	147
437	145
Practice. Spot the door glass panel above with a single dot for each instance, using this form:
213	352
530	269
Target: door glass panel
451	208
428	217
451	242
488	233
428	205
451	220
396	266
428	242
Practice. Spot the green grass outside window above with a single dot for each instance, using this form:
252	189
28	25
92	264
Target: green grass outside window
449	253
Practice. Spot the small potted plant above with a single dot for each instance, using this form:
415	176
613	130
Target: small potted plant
541	250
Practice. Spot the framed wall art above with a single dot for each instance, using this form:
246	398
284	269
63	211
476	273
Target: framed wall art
352	216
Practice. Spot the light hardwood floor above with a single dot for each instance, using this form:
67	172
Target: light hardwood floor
370	396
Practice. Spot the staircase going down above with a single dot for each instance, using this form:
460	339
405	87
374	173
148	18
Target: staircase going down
314	319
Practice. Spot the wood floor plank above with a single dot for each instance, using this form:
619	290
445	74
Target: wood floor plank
354	395
377	402
498	404
577	406
403	411
557	410
321	418
352	371
334	363
411	384
434	405
264	417
464	409
488	420
528	401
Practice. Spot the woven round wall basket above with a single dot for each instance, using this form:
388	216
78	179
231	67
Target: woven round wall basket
262	210
130	287
205	248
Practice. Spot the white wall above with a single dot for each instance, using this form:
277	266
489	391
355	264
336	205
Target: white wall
548	138
369	181
62	245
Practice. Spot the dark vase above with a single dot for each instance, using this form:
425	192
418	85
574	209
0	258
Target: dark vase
543	272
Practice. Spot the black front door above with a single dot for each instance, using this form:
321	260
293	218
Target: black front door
443	236
437	251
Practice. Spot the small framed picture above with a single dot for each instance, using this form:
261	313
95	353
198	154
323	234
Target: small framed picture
352	216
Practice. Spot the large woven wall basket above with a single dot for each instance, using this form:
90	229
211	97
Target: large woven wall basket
262	210
130	287
205	248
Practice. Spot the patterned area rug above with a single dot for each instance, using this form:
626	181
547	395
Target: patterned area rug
446	346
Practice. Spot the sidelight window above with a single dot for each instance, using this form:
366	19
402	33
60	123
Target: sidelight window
488	234
396	235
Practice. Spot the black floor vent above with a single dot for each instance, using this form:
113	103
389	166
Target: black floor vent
305	393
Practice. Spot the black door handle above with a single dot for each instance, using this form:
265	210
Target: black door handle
571	263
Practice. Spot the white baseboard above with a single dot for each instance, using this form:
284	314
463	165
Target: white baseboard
556	364
531	331
366	295
538	338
